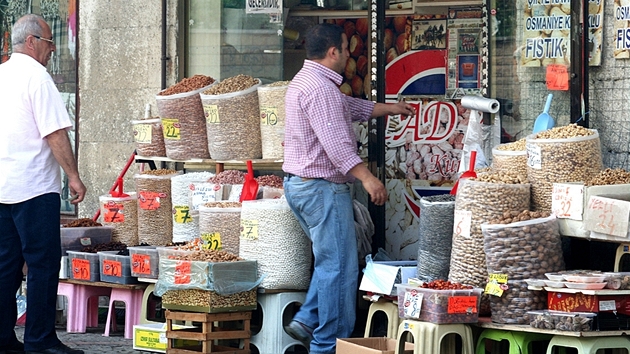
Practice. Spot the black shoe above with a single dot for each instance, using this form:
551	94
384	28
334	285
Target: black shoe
16	348
58	349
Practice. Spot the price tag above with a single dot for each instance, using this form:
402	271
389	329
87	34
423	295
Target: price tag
413	303
211	241
149	200
141	263
182	272
534	156
142	133
80	269
607	305
497	284
170	128
249	229
202	193
567	201
212	113
113	212
181	214
269	116
112	268
462	304
557	77
462	223
607	216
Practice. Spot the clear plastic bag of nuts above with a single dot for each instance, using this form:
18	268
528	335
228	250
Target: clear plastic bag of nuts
122	214
563	154
220	225
271	102
435	240
521	250
148	136
509	160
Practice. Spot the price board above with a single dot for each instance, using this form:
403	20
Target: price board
607	216
567	201
462	223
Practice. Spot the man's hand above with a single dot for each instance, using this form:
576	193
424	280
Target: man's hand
384	109
376	189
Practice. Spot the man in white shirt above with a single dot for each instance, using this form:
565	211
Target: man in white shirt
34	143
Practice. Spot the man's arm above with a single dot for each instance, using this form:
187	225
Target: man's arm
62	150
382	109
374	187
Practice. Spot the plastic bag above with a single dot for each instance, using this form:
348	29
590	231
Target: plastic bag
436	233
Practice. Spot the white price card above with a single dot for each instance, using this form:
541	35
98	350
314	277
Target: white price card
607	216
462	223
534	156
607	305
567	201
412	304
202	193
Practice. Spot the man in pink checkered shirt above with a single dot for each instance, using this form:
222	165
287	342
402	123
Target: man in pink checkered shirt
320	157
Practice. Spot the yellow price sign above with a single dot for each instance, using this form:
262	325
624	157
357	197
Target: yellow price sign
211	241
170	128
497	284
211	111
249	229
269	116
142	133
181	214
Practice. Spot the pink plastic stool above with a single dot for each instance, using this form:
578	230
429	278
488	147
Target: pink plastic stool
82	311
133	306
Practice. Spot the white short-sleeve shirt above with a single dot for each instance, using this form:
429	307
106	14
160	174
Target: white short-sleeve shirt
30	109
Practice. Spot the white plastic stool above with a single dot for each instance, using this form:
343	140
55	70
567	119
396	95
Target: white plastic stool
272	339
391	311
587	345
427	337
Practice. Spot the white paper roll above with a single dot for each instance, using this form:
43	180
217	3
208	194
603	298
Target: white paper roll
478	103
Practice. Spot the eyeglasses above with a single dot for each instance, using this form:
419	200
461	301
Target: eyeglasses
44	39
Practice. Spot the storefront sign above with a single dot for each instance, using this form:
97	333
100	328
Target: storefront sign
547	33
622	31
263	6
595	31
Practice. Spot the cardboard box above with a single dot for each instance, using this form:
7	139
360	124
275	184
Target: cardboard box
381	277
152	337
579	302
380	345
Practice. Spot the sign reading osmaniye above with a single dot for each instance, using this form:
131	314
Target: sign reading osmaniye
547	33
622	29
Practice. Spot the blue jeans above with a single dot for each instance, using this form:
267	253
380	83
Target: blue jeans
324	209
29	231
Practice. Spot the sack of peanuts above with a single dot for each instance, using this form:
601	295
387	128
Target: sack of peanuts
220	225
148	136
436	236
185	219
232	118
122	214
183	119
271	103
155	206
563	154
510	157
271	235
520	246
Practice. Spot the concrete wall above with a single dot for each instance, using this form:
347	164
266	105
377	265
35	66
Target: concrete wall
119	73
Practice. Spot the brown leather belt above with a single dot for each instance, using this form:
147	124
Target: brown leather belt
289	175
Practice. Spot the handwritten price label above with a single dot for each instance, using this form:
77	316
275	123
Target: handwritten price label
182	272
462	304
141	263
557	77
249	229
413	304
142	133
534	156
80	269
567	201
211	241
113	212
607	216
269	116
181	214
112	268
170	128
212	113
462	222
203	193
148	200
497	284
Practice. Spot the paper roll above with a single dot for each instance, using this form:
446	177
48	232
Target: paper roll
478	103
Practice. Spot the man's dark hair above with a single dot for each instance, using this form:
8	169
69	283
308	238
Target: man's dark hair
320	38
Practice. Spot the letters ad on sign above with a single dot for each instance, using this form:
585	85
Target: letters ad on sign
547	33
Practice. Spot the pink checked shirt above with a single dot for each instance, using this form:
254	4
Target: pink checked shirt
319	141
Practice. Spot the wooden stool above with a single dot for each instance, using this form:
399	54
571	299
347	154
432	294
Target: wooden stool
588	345
390	309
519	342
210	331
427	337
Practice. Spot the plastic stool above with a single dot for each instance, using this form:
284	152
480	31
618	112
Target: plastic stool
272	339
587	345
145	302
133	306
82	311
520	342
391	310
427	337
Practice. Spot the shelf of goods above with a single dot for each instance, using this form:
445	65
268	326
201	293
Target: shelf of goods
218	165
485	322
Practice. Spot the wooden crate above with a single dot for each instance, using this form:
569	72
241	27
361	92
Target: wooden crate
213	326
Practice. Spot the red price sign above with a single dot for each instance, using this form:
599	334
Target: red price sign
557	77
182	272
113	212
462	304
112	268
149	200
141	263
80	269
